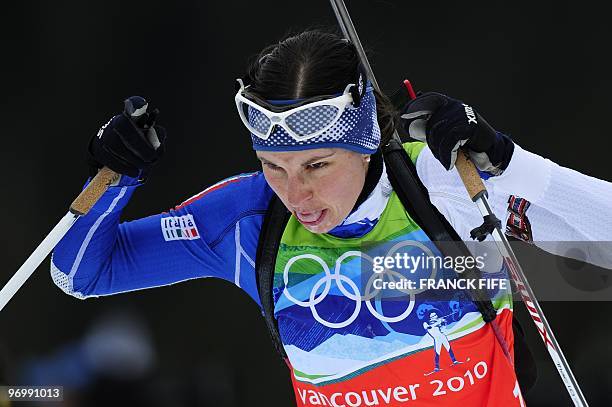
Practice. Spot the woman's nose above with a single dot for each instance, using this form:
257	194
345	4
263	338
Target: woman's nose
297	191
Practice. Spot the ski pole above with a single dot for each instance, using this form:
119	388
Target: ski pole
79	207
477	191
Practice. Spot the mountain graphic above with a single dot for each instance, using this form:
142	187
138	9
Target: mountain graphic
356	347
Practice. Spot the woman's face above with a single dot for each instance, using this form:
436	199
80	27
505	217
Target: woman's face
319	186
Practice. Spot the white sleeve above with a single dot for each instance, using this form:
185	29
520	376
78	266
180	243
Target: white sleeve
566	206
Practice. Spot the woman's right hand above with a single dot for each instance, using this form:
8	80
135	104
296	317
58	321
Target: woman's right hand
129	143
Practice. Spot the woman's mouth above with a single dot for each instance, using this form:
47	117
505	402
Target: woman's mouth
311	218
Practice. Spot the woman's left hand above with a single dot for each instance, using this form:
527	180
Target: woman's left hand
448	124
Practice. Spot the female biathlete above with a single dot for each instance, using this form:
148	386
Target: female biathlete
317	127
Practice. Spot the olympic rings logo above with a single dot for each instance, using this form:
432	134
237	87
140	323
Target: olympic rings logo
340	280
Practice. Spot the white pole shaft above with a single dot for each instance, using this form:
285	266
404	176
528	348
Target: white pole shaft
37	257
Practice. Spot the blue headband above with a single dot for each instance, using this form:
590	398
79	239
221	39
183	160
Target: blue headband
356	130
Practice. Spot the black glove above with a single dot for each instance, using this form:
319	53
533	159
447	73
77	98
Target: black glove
130	143
448	124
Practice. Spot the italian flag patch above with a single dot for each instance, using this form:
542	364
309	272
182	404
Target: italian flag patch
179	228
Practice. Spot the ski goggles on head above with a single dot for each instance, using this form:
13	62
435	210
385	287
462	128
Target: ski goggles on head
301	119
345	120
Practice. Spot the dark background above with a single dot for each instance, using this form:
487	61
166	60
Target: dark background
539	71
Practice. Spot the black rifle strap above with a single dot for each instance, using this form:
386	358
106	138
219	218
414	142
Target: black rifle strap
270	236
415	199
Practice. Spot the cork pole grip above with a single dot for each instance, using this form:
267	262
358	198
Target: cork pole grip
469	176
96	188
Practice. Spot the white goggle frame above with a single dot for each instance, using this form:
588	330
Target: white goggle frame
280	118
